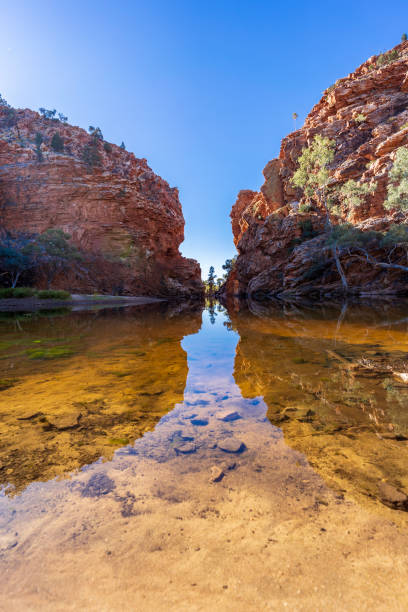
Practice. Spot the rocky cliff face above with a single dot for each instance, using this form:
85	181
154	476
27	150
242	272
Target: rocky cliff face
366	113
127	220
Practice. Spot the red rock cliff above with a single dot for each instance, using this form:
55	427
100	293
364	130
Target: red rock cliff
126	219
366	113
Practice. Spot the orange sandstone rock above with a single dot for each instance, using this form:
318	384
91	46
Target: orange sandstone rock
366	113
125	218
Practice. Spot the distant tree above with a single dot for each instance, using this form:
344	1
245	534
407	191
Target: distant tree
397	189
107	147
122	146
4	102
95	132
228	266
38	140
56	254
57	143
48	114
18	254
219	282
403	37
211	280
294	117
62	118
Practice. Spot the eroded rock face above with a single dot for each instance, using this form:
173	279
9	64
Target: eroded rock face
366	113
125	218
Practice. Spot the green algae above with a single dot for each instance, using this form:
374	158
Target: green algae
56	352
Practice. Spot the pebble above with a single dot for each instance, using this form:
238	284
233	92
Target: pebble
228	415
217	474
231	445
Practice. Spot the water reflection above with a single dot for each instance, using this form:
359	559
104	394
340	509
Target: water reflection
74	388
333	380
212	507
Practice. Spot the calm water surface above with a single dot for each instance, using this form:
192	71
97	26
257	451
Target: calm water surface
159	458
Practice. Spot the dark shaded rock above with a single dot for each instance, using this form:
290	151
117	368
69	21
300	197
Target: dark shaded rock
99	484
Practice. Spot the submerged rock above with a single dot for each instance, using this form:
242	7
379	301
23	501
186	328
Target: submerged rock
393	497
228	415
186	448
217	474
99	484
231	445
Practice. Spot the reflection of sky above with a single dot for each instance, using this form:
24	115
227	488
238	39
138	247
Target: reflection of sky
210	355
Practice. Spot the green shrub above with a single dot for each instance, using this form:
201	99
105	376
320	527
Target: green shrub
387	58
360	118
306	227
51	294
17	292
23	292
304	207
57	143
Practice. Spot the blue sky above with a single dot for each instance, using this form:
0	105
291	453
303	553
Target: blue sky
204	90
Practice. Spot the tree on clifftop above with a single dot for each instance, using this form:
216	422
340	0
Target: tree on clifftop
211	280
313	177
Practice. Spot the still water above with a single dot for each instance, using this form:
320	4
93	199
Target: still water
158	458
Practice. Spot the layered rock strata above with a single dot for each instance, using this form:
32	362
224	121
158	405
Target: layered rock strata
125	219
366	114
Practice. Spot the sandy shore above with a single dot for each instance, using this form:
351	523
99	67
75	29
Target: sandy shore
76	301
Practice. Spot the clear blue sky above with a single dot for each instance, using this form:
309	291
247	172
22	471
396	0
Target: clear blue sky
204	90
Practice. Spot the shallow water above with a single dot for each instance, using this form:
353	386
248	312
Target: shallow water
165	458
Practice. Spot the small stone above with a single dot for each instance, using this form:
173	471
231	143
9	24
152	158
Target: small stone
64	421
217	474
199	422
392	497
186	448
228	415
231	445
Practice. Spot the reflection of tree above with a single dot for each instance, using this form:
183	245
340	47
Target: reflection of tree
211	311
333	399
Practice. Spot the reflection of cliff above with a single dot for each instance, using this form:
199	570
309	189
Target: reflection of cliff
75	388
331	390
